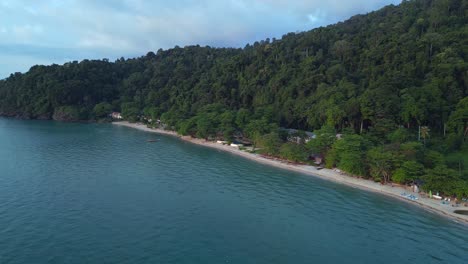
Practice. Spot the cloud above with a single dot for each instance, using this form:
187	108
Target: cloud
25	33
115	28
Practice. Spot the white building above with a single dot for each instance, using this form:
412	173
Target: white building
298	136
116	115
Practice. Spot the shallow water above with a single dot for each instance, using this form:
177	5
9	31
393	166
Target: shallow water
97	193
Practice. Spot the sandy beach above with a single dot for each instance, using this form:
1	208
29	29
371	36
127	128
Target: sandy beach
432	205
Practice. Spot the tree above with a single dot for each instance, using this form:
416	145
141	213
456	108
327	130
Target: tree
258	127
294	152
349	154
433	158
243	117
66	113
206	125
410	110
440	179
322	143
342	49
400	66
188	127
409	171
412	150
458	121
381	164
152	112
102	110
424	133
130	111
270	143
227	126
399	136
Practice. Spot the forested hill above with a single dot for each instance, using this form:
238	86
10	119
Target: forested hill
390	71
402	65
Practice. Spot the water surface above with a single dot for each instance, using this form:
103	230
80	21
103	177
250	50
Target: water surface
97	193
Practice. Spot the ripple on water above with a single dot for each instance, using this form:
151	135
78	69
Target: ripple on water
102	194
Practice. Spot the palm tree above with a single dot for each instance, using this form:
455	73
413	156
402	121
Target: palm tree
424	133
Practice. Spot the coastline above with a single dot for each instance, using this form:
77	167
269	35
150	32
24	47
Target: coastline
428	204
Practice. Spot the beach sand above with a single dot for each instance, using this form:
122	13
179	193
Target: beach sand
327	174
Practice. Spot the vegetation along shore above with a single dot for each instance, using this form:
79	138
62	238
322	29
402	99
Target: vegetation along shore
397	191
381	95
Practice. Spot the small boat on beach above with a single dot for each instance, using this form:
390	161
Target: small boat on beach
409	196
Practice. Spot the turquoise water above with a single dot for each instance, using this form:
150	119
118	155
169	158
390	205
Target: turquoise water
76	193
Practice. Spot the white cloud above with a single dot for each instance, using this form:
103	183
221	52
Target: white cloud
117	28
24	33
105	41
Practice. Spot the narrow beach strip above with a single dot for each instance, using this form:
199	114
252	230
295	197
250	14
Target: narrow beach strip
327	174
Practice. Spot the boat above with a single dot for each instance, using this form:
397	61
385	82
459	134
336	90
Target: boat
152	140
409	196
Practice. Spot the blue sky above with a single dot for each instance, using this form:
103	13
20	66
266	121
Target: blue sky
56	31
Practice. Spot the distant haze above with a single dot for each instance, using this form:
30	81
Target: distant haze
55	31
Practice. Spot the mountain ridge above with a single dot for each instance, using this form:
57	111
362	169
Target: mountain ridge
391	77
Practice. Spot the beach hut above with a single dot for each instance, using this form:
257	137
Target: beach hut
116	115
317	158
299	136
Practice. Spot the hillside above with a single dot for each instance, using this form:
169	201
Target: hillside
394	82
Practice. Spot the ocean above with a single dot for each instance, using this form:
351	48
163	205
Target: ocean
98	193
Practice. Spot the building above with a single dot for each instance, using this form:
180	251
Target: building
317	158
116	115
299	136
147	119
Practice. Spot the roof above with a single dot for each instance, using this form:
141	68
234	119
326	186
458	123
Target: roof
293	131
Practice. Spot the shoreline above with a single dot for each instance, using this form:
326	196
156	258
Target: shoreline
428	204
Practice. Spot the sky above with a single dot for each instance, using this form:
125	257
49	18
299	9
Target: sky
56	31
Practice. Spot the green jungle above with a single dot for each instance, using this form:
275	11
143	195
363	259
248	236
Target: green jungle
385	94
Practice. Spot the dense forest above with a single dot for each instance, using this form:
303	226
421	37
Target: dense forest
392	83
